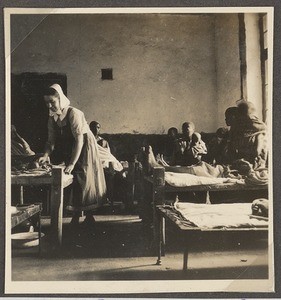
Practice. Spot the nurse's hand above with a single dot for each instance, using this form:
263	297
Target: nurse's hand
68	169
44	159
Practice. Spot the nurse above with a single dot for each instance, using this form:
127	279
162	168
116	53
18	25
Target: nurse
70	141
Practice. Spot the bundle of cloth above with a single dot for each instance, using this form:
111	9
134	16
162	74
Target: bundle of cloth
258	176
260	207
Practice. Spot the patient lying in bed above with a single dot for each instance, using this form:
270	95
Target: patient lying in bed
201	169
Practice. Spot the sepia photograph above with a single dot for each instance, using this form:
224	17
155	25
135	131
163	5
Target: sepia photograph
139	150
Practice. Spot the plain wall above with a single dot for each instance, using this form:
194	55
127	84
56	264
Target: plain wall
164	67
254	81
227	63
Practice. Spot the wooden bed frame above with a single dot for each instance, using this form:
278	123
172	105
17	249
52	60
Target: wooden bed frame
166	213
159	188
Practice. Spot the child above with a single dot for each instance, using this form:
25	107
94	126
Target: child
198	146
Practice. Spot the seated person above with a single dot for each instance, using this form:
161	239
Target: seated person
173	133
217	147
186	152
108	160
248	140
108	170
231	115
113	169
95	128
246	115
198	146
172	140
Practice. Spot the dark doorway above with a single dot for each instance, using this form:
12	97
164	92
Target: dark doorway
28	111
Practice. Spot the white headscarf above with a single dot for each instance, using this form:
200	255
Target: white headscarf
64	103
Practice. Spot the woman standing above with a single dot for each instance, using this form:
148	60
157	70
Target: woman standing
71	141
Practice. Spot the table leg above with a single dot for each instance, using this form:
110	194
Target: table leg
57	206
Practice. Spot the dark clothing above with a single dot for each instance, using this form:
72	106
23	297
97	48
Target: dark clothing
64	141
185	152
248	140
217	150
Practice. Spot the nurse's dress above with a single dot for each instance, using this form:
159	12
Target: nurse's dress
89	184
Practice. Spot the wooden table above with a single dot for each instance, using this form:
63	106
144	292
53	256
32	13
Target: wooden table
57	181
167	213
30	211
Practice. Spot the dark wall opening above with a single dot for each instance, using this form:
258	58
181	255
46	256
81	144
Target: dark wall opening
28	111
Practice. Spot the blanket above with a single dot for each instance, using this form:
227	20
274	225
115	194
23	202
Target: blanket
210	216
184	179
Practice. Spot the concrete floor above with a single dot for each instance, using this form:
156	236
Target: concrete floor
119	248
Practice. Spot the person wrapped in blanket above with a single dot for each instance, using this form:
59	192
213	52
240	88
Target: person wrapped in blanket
243	141
248	138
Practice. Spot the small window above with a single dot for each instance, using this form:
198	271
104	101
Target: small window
106	74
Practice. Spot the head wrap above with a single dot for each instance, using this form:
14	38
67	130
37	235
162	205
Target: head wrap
64	103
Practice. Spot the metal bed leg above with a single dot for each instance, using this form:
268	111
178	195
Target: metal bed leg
39	231
185	259
160	238
21	195
163	242
185	253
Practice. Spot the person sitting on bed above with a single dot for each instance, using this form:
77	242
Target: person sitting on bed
172	140
113	171
200	169
248	140
95	128
198	146
109	172
217	146
226	152
104	149
247	117
186	153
